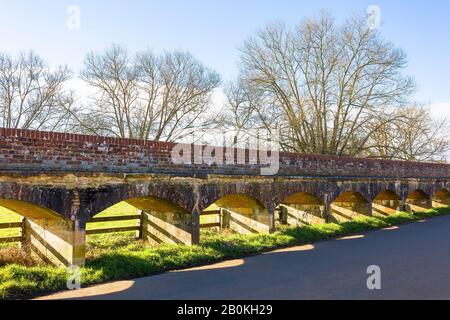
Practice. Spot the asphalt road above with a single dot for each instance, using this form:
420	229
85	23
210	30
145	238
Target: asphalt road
414	261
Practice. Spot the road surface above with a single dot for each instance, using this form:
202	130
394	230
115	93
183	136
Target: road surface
414	261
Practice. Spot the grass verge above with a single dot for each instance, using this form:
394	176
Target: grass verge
121	258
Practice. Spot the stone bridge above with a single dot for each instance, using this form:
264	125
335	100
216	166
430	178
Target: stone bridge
59	181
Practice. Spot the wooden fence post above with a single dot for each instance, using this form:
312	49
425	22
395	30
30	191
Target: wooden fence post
140	233
24	243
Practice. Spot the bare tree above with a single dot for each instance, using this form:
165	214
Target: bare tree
239	114
413	135
147	96
32	96
325	87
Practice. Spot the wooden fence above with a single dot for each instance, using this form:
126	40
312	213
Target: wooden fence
11	225
135	217
213	224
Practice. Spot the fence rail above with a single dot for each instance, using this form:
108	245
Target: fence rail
134	217
116	218
10	225
210	213
209	225
112	230
11	239
137	227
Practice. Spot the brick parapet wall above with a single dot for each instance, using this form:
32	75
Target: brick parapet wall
28	150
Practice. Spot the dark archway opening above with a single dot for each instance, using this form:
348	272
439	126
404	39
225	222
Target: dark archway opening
386	203
239	213
301	209
441	199
349	205
418	201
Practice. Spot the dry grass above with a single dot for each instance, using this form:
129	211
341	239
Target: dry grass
15	255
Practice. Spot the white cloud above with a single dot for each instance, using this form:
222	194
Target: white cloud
218	99
81	90
441	109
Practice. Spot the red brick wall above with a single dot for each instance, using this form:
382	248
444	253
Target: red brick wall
25	150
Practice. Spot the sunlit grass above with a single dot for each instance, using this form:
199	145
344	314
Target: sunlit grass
7	216
119	209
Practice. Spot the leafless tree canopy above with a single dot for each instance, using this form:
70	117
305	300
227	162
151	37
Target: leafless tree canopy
32	96
326	88
239	114
321	87
147	96
414	135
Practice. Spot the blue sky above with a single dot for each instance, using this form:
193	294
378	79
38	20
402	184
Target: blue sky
213	30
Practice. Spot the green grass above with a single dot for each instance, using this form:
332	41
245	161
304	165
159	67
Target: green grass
9	216
119	209
117	258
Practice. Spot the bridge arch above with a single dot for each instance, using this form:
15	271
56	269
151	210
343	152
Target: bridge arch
160	220
210	193
385	203
287	189
29	210
303	198
241	213
302	208
238	200
442	193
57	200
418	200
441	198
349	205
181	195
